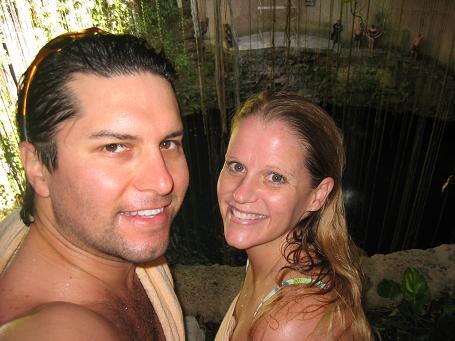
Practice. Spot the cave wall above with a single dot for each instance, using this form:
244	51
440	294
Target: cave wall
402	20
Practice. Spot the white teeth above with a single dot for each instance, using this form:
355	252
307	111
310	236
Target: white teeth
150	212
144	213
246	216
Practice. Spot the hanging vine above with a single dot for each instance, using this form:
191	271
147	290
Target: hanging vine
182	25
235	48
219	67
158	22
273	59
200	63
287	36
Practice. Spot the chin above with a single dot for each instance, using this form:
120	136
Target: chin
237	242
141	259
145	254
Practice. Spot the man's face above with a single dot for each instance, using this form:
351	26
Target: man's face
121	172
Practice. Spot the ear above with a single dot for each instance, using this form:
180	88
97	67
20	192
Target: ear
320	194
34	169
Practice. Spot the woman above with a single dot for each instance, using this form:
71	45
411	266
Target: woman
280	198
372	35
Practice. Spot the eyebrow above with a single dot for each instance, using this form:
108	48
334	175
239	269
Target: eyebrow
177	133
118	136
110	134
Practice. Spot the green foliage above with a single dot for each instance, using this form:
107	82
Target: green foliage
11	183
114	16
415	290
160	22
416	316
388	288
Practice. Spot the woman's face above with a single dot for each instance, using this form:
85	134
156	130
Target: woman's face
264	188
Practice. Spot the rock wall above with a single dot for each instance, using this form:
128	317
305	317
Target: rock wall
437	264
207	291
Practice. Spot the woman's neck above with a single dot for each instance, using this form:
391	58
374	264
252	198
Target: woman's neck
264	266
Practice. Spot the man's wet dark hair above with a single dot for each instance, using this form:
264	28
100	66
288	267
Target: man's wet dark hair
50	102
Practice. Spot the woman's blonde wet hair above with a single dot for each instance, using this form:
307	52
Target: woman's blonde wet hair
319	246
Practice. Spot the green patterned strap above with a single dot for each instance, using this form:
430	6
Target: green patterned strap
288	282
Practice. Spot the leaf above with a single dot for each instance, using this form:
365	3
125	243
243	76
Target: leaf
415	289
448	310
388	288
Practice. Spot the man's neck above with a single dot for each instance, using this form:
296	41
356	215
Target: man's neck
52	246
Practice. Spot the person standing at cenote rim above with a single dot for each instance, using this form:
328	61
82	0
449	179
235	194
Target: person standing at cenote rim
372	35
280	198
106	174
358	33
336	34
415	47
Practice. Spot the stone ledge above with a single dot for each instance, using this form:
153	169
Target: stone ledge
437	265
207	291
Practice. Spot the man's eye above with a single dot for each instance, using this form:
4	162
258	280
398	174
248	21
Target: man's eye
170	144
236	167
276	178
115	147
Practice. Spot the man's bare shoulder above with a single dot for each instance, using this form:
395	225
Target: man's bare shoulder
59	321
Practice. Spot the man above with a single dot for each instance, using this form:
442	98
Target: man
358	33
106	173
415	47
336	34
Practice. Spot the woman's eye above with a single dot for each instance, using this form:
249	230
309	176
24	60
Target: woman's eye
276	178
115	148
236	167
170	144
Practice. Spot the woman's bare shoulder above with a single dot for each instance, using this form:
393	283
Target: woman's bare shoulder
305	318
59	321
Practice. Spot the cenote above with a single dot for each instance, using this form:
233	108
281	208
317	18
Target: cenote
394	107
382	182
393	101
399	140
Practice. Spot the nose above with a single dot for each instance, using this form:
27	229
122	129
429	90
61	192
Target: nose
154	175
245	191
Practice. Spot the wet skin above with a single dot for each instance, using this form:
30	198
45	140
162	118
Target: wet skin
120	179
264	188
264	191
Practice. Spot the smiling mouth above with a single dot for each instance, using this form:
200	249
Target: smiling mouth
144	213
246	216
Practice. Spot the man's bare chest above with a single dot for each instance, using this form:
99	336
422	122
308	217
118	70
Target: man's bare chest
134	316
